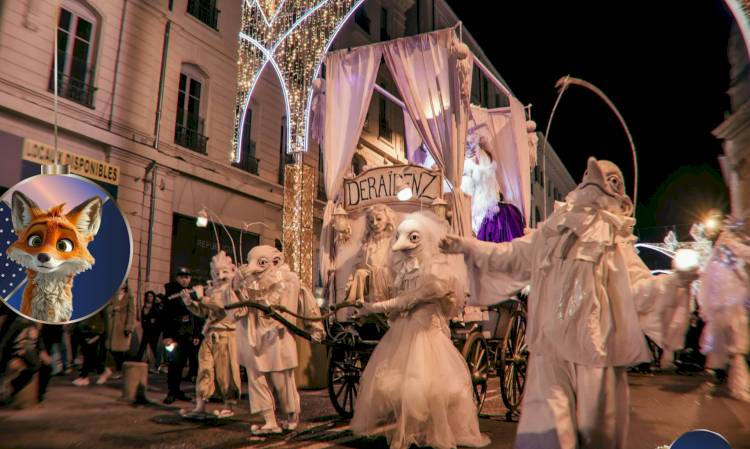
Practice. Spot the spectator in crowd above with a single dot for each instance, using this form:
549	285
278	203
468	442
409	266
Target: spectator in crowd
22	355
121	325
52	336
93	334
151	325
180	334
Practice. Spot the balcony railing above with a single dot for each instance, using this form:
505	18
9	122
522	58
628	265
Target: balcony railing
190	138
248	162
205	11
74	89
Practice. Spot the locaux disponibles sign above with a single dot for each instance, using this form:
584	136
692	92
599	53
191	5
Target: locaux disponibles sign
41	153
378	185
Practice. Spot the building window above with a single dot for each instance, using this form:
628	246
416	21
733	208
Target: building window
537	215
384	36
76	30
384	127
193	247
189	127
248	161
284	157
205	11
362	19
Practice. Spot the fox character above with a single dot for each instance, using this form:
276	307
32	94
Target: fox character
52	246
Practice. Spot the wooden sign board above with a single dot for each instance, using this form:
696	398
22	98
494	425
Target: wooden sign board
378	185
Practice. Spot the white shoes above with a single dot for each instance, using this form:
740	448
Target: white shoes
226	413
265	430
103	377
81	381
292	423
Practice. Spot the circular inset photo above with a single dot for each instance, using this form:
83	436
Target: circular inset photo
65	248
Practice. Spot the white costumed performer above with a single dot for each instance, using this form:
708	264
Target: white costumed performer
266	348
592	300
724	298
217	356
416	381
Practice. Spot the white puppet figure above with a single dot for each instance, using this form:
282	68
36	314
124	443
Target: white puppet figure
592	300
724	299
370	278
217	356
416	380
480	181
266	348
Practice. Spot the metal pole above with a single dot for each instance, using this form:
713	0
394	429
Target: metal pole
164	54
151	220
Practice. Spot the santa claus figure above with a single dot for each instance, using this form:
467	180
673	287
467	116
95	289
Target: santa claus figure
266	348
217	356
591	303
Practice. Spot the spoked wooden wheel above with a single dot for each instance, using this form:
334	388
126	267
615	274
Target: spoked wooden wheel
345	368
513	361
476	354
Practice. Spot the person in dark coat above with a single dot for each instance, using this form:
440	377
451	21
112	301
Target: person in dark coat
151	325
22	354
93	332
180	334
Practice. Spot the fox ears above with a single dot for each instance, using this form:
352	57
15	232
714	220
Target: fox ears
23	210
86	217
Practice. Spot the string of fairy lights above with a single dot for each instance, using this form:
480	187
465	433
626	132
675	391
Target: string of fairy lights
292	37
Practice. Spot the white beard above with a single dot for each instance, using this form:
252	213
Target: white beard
51	302
480	181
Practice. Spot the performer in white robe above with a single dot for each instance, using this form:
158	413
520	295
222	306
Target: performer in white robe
592	300
416	382
724	299
265	347
370	278
217	356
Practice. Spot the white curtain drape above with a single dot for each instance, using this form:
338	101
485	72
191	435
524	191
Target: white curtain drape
509	150
415	154
350	77
318	111
435	84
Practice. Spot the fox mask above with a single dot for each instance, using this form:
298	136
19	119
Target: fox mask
51	241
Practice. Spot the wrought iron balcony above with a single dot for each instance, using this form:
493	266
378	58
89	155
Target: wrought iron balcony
74	89
248	162
190	138
205	11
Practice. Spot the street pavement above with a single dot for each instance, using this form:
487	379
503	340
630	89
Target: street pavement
663	407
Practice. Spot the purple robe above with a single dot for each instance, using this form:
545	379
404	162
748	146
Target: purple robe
503	225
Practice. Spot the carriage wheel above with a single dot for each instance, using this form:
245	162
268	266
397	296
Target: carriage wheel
345	368
476	354
513	361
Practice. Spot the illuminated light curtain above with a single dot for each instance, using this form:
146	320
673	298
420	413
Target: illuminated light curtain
350	78
435	87
510	150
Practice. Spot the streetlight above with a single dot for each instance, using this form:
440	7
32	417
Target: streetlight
403	190
202	220
712	223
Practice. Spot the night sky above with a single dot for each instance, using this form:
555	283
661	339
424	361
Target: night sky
663	64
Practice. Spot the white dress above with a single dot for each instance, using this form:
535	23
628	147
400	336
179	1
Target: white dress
416	383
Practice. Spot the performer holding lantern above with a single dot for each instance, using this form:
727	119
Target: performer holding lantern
217	356
592	300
